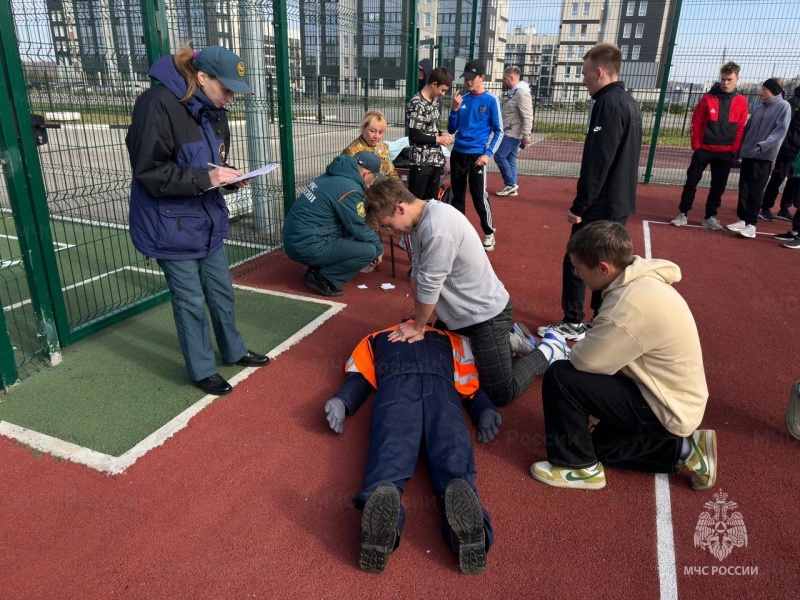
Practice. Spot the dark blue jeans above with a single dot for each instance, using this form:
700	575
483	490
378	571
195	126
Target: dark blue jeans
506	159
629	434
194	284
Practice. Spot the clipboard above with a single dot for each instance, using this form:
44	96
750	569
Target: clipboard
255	173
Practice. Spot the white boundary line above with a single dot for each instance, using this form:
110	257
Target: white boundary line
114	465
665	543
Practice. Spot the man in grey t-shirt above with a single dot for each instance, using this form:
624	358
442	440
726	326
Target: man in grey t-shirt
452	275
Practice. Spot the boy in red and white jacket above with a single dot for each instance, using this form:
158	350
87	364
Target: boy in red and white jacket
717	128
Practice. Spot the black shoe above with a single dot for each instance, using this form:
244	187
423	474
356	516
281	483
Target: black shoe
785	237
379	528
215	385
317	282
766	215
784	215
251	359
464	514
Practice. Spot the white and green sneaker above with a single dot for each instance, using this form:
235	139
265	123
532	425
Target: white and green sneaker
565	477
702	461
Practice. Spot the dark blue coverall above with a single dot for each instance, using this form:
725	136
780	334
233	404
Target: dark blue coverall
416	403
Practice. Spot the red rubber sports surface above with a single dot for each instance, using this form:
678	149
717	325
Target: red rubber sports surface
253	499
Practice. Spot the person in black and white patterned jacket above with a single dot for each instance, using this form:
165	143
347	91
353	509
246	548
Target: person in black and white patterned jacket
425	139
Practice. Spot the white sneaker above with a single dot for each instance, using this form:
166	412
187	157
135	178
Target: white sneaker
738	226
509	190
557	345
681	220
748	231
488	242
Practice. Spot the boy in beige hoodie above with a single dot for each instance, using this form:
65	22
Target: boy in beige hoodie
638	374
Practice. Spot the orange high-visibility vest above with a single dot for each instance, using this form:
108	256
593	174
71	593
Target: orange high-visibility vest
465	372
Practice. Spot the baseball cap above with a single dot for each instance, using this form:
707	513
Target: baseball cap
370	161
225	66
473	69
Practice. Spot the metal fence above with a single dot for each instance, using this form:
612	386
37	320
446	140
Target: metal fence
67	266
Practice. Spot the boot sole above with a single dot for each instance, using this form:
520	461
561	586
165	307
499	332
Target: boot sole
379	528
464	514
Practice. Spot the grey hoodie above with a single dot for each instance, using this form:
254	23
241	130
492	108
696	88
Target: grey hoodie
766	129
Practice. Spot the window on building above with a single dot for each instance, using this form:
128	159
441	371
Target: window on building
639	30
635	52
643	8
586	6
583	30
427	19
574	9
572	30
570	51
626	30
567	72
630	9
624	50
346	63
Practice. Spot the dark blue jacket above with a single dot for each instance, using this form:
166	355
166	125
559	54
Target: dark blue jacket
170	145
331	206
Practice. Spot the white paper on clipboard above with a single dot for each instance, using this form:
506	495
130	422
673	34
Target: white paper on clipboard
255	173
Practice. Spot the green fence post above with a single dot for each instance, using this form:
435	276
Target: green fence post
648	172
412	62
280	21
156	33
472	29
28	196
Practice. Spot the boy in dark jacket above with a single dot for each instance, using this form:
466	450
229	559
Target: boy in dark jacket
609	173
783	169
717	128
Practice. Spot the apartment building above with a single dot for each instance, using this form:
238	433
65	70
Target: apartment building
640	28
535	55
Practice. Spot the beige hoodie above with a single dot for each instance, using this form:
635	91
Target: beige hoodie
646	332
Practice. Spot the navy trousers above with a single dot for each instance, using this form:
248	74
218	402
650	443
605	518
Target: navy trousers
414	411
194	284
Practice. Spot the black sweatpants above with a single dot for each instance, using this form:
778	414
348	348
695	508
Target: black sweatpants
462	170
720	169
629	434
782	170
753	178
423	181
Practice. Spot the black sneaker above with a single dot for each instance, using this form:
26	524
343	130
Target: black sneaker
784	215
766	215
317	282
785	237
379	528
794	244
465	517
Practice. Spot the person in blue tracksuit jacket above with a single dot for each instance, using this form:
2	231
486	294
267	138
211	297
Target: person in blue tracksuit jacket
477	122
420	388
178	129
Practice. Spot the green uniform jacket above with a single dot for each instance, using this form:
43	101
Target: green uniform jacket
332	205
